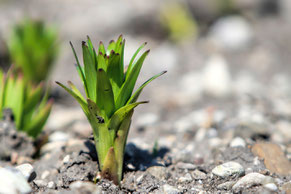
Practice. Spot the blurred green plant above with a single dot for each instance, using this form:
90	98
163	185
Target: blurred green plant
33	48
110	99
28	102
179	23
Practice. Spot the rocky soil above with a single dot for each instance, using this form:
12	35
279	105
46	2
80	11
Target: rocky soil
218	122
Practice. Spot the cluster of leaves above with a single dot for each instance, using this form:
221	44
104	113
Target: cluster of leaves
110	99
33	48
29	103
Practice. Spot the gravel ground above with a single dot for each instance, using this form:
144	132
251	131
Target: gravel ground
220	117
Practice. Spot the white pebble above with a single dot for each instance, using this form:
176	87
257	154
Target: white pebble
228	169
249	180
51	185
12	181
66	159
271	186
27	171
238	142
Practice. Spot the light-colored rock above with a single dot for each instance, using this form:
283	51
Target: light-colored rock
13	182
248	181
226	186
199	175
216	77
231	32
58	136
185	179
27	171
188	166
52	147
159	172
271	186
40	183
238	142
66	159
84	187
228	169
45	174
51	185
168	189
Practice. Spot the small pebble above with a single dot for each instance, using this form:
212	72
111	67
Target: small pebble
40	183
159	172
51	185
226	186
168	189
249	180
199	175
66	159
27	171
228	169
45	174
185	179
271	186
238	142
58	136
188	166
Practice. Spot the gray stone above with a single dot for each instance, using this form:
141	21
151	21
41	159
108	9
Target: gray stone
168	189
13	182
159	172
185	166
40	183
226	186
228	169
27	171
185	179
249	180
79	187
199	175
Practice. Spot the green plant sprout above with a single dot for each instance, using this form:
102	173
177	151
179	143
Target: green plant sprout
178	22
33	48
28	102
110	99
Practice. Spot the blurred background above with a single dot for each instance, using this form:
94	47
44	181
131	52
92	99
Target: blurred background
226	59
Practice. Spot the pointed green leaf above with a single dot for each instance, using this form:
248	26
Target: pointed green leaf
101	48
135	96
111	47
37	122
118	117
75	90
82	103
129	68
105	98
33	97
80	70
90	71
128	85
115	73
